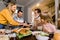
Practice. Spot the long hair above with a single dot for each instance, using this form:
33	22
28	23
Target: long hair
11	4
47	18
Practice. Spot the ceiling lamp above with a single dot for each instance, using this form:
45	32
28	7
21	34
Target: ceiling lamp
38	5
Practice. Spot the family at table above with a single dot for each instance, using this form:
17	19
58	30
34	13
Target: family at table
40	20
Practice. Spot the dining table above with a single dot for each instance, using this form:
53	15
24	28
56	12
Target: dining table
13	36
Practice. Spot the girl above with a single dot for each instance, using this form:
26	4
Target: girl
48	27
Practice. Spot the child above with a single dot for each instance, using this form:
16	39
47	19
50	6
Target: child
48	27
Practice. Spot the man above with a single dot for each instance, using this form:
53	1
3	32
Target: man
19	16
37	13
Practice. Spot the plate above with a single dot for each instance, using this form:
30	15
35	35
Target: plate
40	33
21	35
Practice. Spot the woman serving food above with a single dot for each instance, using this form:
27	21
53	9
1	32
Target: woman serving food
6	16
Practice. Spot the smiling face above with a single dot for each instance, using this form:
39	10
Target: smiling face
13	8
36	13
20	14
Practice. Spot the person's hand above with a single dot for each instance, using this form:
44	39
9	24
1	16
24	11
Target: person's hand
21	23
25	24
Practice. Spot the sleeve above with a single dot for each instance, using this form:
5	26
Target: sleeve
47	29
9	18
53	27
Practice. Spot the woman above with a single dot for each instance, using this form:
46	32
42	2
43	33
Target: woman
6	16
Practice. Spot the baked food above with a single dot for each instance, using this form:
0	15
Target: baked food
23	31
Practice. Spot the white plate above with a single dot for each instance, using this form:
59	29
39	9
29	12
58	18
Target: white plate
36	32
39	37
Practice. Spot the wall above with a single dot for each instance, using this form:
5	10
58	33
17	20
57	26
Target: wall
2	5
26	13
